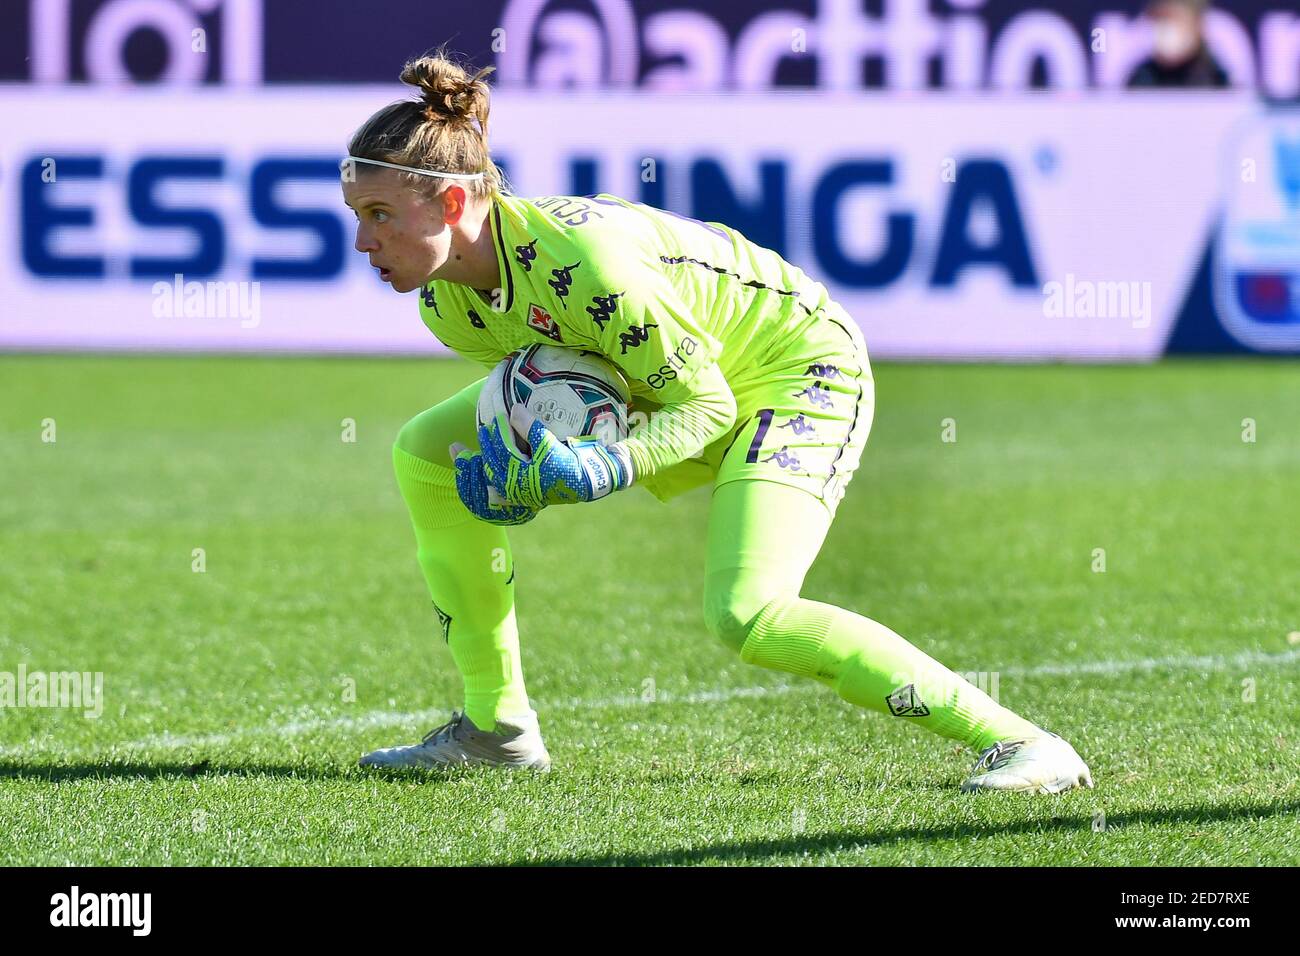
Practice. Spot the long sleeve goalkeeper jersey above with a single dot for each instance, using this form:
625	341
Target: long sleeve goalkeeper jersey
690	311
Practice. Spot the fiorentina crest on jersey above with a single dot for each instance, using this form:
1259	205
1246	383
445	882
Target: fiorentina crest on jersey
540	319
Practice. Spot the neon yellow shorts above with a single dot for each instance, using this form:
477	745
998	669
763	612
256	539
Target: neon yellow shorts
802	421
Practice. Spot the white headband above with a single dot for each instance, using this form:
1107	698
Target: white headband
437	174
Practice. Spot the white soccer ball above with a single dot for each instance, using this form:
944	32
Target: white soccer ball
574	393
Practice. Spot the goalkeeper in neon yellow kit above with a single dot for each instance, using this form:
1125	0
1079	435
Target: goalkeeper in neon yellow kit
756	381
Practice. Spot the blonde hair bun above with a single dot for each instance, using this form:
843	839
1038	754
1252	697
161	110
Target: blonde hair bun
445	129
448	90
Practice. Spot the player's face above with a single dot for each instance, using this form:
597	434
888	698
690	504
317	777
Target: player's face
402	230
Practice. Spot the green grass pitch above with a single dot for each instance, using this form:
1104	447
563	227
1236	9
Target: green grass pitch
229	732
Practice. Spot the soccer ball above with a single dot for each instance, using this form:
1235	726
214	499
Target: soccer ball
574	393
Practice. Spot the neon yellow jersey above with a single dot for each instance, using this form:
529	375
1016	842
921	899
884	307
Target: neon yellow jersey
690	311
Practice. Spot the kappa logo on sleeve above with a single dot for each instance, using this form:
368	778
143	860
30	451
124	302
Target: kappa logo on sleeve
525	255
561	280
429	299
602	308
635	335
540	321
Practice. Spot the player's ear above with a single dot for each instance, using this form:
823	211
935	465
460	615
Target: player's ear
453	204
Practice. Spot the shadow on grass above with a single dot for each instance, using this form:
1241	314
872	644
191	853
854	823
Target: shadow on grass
181	770
823	843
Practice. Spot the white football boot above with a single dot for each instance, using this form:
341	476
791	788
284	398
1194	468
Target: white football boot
1036	764
515	742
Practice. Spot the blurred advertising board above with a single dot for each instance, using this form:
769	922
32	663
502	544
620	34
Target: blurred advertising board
1101	226
657	45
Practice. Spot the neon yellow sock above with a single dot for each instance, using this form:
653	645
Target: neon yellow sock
763	537
469	570
869	665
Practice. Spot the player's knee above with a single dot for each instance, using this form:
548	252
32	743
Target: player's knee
429	435
729	613
408	437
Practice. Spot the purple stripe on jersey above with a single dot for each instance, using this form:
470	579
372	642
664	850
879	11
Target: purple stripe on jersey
764	420
857	406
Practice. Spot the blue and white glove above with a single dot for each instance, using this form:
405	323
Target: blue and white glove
478	495
556	472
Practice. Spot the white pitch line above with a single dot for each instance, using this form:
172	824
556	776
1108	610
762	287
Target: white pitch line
1209	662
387	718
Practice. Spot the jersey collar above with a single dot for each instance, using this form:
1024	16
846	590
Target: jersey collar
503	258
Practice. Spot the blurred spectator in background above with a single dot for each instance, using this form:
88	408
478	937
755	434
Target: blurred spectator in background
1181	58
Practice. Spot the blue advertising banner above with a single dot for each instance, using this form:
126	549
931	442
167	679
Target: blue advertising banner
1115	229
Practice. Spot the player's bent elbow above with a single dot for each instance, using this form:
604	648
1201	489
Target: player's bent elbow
722	415
729	411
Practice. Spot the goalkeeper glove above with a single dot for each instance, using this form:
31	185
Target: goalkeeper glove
557	472
478	495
